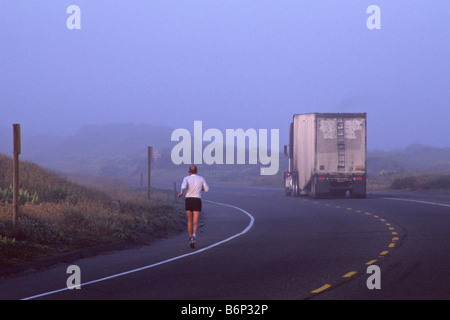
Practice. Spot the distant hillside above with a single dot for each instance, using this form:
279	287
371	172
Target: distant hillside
115	140
119	151
416	167
415	158
91	141
382	167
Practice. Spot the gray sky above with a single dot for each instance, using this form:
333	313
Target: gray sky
232	64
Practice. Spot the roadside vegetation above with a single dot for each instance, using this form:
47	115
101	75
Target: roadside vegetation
58	216
421	182
409	181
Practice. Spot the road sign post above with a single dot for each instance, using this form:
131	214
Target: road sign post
149	169
17	151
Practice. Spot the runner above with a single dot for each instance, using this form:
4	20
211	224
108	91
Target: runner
193	185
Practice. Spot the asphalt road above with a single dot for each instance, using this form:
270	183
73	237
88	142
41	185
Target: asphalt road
258	244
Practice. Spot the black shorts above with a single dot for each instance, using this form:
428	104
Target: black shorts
193	204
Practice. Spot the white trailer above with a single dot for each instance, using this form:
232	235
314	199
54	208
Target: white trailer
327	155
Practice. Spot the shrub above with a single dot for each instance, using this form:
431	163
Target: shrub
68	216
422	182
437	182
404	183
6	195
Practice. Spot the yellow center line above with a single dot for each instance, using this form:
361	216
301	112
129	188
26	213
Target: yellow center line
349	274
381	254
322	288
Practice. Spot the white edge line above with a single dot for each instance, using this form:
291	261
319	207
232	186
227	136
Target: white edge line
426	202
250	225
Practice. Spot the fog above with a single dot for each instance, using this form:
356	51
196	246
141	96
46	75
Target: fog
230	64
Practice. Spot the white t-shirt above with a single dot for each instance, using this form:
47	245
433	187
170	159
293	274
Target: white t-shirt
194	185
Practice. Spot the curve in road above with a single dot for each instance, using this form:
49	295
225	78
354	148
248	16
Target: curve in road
249	226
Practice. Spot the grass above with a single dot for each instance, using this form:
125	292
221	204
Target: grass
421	182
57	215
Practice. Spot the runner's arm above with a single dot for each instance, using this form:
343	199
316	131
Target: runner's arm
183	187
205	186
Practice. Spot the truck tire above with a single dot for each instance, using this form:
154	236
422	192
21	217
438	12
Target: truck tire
295	190
314	192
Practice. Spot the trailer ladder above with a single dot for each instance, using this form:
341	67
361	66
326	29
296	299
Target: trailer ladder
341	143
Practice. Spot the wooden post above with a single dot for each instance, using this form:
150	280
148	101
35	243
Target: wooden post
17	151
175	190
149	170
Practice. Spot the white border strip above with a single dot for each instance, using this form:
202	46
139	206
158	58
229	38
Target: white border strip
426	202
250	225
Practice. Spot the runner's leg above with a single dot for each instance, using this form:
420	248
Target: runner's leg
196	215
190	222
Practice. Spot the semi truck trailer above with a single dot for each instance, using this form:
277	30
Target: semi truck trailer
327	155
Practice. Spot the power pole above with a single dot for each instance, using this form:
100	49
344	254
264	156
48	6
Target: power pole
17	151
149	170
